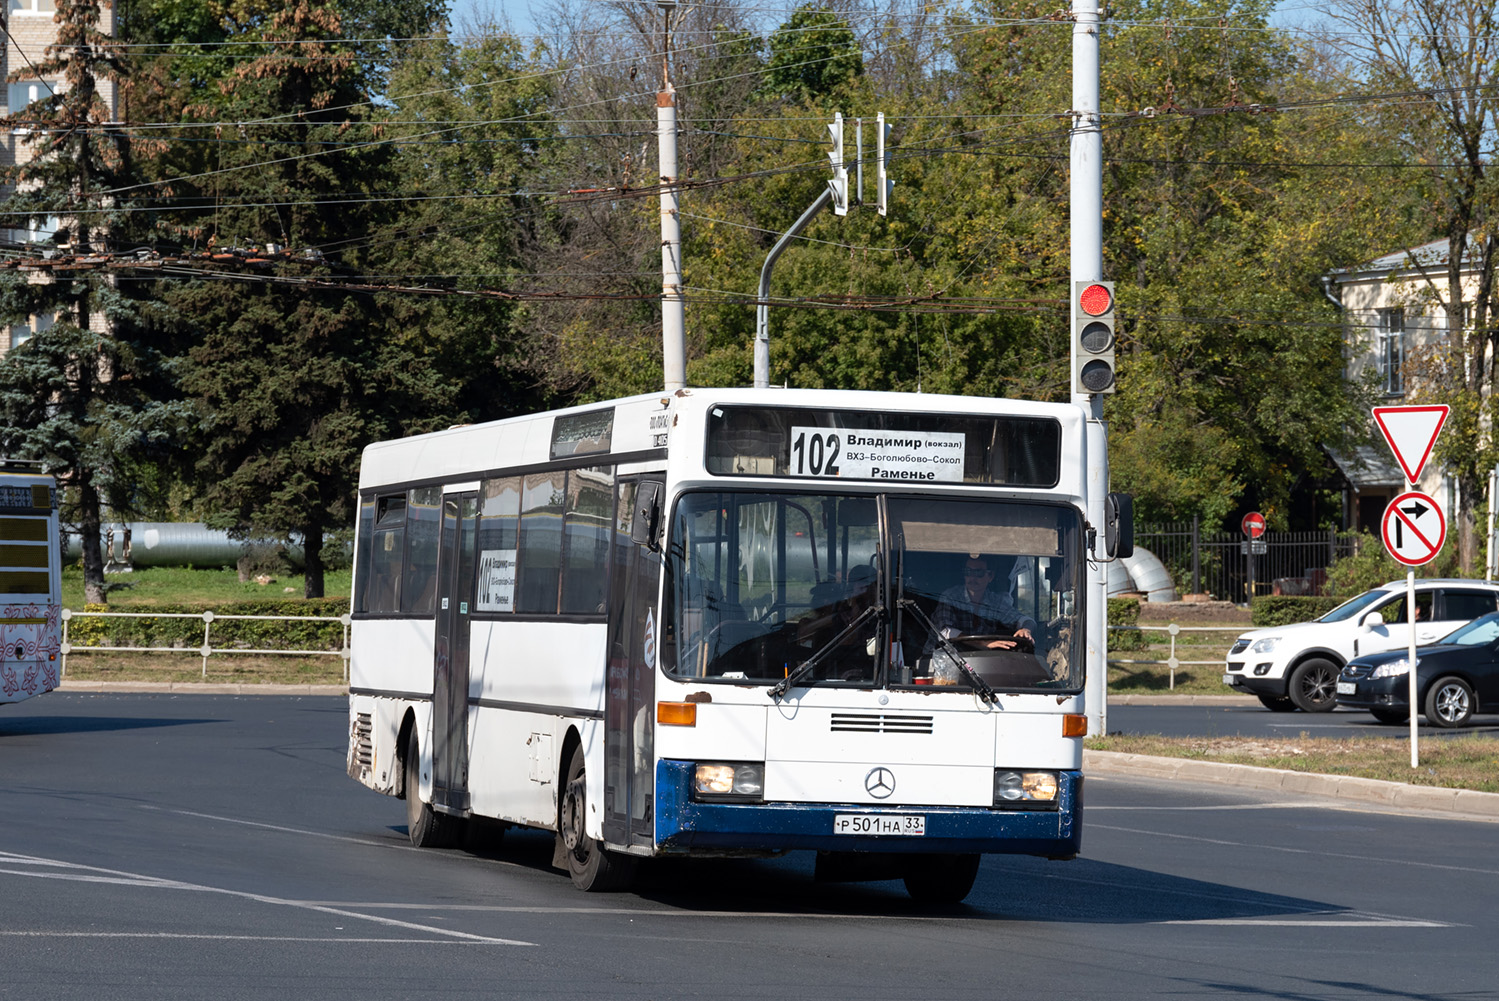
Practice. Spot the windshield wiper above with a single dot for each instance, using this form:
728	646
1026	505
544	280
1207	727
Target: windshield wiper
985	693
784	685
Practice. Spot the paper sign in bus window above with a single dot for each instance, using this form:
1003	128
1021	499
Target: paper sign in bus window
496	581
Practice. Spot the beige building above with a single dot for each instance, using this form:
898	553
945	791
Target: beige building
1392	308
31	29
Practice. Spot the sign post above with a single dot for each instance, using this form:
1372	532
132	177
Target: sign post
1413	526
1254	527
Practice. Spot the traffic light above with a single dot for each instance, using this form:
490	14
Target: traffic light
882	164
839	183
1093	337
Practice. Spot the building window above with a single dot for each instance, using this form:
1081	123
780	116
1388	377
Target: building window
33	7
23	93
20	333
1390	348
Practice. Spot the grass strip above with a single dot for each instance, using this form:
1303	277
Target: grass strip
1467	762
223	668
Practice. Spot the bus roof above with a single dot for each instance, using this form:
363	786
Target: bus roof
638	425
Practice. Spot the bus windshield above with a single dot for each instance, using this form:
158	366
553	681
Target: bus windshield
863	590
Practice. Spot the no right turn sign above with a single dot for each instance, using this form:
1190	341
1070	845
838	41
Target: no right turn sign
1414	528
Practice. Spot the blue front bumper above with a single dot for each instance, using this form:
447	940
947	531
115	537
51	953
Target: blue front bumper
683	825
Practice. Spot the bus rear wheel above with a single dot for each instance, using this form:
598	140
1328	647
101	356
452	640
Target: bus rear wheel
941	879
424	826
593	867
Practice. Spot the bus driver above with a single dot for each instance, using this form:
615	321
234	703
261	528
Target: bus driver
973	608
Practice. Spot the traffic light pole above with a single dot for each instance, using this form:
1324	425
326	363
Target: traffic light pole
1087	266
762	306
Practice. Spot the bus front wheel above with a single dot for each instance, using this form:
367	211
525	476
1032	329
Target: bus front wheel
941	879
591	866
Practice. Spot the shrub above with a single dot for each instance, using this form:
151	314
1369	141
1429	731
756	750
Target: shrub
154	630
1370	566
1284	609
1125	612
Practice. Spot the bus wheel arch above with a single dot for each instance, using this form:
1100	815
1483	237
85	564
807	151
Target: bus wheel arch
403	736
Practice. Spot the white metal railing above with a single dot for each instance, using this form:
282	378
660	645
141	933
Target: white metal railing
1172	630
207	650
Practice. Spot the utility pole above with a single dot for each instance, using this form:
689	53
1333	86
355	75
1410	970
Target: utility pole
673	308
1087	266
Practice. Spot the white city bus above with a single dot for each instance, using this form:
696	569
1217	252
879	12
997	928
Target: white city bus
30	581
706	623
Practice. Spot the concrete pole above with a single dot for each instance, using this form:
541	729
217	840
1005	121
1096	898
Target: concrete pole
1087	265
673	307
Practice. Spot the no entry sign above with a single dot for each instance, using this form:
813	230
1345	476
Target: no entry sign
1414	528
1253	524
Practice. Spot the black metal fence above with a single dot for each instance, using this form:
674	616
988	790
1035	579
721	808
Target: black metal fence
1228	566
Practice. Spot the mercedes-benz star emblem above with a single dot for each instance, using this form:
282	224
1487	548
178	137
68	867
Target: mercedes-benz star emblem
880	782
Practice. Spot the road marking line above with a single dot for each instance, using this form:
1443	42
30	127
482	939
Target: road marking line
234	938
92	874
1359	857
1197	809
1371	921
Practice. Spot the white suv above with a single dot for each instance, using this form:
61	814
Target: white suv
1296	666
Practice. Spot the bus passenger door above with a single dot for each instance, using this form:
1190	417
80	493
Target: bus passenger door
455	599
629	703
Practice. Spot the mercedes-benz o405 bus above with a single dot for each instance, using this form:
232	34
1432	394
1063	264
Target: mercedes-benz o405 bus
731	622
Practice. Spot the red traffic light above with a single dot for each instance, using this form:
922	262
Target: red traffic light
1095	300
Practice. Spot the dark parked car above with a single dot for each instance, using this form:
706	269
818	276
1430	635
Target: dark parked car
1455	678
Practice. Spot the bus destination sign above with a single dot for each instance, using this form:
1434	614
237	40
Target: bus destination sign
849	453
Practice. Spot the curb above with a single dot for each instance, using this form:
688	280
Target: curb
1183	700
198	688
1346	788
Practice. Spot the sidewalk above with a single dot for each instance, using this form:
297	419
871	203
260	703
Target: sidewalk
1459	802
198	688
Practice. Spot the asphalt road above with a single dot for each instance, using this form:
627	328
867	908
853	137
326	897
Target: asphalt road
164	847
1253	720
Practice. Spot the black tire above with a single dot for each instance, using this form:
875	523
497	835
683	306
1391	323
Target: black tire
941	879
424	826
1390	715
1449	703
593	867
1277	703
1314	686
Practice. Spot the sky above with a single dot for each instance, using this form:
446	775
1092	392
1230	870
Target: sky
1288	13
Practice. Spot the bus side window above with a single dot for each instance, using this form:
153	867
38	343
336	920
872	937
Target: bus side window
590	510
365	537
423	528
540	544
387	553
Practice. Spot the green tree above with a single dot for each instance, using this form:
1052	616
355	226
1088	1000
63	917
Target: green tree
293	371
813	55
1446	52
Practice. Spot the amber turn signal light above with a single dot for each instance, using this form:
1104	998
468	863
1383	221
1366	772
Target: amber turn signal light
1074	725
676	713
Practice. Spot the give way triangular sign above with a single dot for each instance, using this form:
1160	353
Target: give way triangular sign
1411	432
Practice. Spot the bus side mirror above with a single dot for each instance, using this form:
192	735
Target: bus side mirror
1119	525
645	526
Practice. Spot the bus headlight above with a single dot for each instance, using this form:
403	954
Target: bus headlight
1024	789
728	780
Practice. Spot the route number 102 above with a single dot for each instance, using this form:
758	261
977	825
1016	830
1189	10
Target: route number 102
814	453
